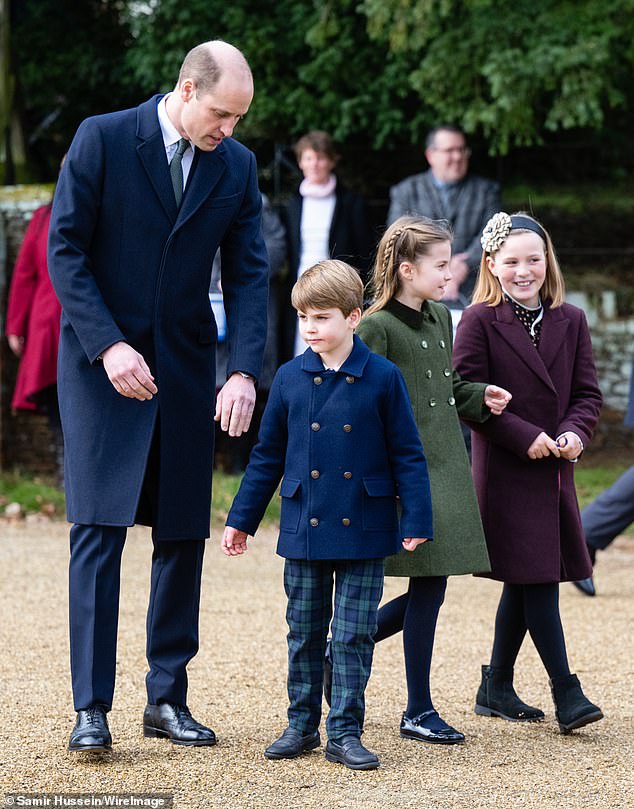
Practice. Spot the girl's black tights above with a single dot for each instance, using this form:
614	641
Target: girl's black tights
532	607
415	614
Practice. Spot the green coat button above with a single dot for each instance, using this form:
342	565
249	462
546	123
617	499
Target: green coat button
447	372
441	343
423	343
432	403
428	373
451	400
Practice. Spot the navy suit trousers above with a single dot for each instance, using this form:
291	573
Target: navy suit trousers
610	514
172	618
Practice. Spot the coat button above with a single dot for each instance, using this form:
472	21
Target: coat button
350	380
347	428
441	343
447	372
451	400
317	380
314	474
314	522
432	403
428	373
345	522
315	426
423	343
347	475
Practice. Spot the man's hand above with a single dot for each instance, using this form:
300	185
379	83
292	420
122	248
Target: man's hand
570	446
496	399
128	372
16	344
233	542
459	270
543	446
411	543
234	405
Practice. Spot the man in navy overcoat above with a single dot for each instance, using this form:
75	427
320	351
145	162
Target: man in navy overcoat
144	200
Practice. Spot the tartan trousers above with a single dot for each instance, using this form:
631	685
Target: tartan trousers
358	587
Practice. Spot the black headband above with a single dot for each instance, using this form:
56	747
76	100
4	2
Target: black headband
519	222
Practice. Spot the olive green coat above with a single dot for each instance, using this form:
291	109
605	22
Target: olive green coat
420	343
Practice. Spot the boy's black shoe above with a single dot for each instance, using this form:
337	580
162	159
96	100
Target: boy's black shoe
91	732
352	753
175	722
292	743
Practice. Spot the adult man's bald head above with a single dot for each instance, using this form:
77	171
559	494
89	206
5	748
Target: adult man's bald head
207	62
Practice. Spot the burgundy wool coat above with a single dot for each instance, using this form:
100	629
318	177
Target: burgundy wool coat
33	312
529	507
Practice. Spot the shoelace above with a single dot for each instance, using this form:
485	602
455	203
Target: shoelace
182	712
92	714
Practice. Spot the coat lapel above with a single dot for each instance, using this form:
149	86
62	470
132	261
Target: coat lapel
151	151
513	333
206	171
554	330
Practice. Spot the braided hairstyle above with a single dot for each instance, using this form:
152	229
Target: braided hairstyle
406	239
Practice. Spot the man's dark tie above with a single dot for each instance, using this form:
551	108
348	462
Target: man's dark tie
176	170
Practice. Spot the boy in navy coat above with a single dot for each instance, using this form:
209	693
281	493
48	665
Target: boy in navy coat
339	431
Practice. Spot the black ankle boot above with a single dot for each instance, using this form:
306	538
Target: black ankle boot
496	697
572	708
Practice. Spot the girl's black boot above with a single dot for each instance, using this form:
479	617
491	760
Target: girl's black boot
496	697
572	708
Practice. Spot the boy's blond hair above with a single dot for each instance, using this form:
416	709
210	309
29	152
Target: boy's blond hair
329	284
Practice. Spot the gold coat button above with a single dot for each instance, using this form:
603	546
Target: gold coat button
345	522
350	380
347	428
451	400
428	373
317	380
447	372
314	474
441	343
432	403
423	343
314	522
315	426
347	475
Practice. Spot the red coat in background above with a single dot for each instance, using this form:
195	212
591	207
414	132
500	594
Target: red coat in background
34	313
529	507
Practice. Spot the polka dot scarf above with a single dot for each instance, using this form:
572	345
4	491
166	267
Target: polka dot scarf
531	319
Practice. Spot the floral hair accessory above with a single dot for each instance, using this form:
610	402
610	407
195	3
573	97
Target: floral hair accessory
496	232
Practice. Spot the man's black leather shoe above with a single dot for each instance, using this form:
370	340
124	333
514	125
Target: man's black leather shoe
91	732
352	753
586	586
175	722
292	743
416	729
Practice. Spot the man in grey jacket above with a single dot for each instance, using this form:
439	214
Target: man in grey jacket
447	191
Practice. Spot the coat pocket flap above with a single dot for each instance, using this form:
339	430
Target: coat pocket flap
379	487
207	333
289	487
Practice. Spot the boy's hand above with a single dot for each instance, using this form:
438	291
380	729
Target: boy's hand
543	446
570	446
496	399
411	543
233	542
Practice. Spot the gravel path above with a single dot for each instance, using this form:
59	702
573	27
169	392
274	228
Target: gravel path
238	687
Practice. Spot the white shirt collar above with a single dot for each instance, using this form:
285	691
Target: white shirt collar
171	135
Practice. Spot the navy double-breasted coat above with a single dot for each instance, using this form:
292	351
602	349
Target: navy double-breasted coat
127	265
529	507
346	445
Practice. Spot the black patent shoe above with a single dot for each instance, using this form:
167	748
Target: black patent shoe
417	728
91	732
175	722
352	753
586	586
292	743
328	672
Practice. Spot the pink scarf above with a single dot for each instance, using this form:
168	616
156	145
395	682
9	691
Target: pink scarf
318	190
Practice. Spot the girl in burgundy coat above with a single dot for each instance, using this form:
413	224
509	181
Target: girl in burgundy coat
520	335
33	322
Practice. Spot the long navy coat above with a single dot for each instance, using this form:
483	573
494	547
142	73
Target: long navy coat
529	507
127	265
346	443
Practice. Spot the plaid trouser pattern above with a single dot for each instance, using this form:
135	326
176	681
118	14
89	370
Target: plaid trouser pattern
358	587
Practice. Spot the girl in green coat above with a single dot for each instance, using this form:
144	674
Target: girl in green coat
406	324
